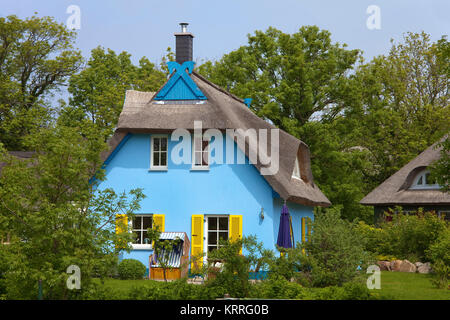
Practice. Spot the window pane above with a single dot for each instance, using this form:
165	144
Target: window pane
163	159
205	158
163	144
138	237
156	158
223	236
223	223
211	248
147	222
197	158
197	143
137	223
212	223
212	238
145	239
420	181
156	144
205	145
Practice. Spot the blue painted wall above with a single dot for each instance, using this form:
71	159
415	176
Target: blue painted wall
180	192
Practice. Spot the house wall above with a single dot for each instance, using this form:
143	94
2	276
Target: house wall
180	192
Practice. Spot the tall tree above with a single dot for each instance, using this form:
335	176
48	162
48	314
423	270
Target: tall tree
402	102
36	58
98	91
290	77
55	216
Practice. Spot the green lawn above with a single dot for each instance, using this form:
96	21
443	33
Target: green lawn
394	285
410	286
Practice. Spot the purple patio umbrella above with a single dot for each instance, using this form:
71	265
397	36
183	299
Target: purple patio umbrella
284	231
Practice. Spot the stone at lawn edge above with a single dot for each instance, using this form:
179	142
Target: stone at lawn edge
407	266
424	268
395	265
384	265
418	264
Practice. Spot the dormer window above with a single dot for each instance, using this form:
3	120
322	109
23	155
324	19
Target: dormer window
296	173
423	181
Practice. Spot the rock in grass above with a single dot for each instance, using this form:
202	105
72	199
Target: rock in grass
407	266
395	265
384	265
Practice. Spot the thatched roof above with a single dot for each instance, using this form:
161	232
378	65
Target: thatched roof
395	190
221	110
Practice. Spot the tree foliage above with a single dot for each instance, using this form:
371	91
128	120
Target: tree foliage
36	58
56	218
98	91
362	123
290	77
440	169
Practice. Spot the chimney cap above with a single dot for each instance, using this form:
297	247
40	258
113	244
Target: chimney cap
184	27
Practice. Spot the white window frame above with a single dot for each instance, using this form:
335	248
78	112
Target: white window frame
296	173
201	166
139	246
422	175
159	167
205	228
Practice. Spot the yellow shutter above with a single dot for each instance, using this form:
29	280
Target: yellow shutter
309	224
121	226
121	223
159	220
197	241
235	228
303	232
303	229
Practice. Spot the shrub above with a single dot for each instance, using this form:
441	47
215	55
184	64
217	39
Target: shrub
349	291
277	287
233	277
405	237
175	290
440	249
131	269
334	253
441	275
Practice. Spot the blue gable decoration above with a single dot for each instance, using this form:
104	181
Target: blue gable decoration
180	86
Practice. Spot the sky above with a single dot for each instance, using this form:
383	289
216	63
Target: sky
146	27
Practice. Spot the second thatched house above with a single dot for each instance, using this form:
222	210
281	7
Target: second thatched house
411	188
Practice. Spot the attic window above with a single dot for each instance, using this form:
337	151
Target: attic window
158	152
296	173
200	154
423	181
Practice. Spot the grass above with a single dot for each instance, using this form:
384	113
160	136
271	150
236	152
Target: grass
410	286
394	285
123	286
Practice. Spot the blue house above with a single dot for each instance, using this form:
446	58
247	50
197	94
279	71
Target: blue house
208	165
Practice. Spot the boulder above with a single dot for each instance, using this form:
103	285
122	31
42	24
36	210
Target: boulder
384	265
395	265
418	264
407	266
424	268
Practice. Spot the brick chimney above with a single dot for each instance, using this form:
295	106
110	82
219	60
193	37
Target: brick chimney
183	48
